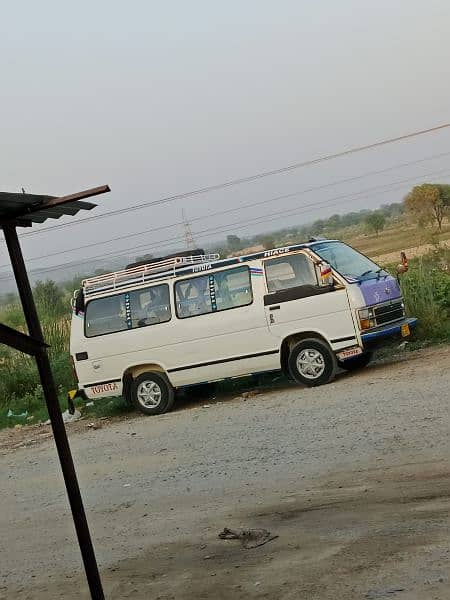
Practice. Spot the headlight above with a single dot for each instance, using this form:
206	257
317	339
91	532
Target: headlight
366	318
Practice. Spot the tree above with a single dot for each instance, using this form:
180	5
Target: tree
72	284
428	203
147	257
267	241
334	221
11	298
375	222
234	242
395	209
49	299
318	226
350	219
444	189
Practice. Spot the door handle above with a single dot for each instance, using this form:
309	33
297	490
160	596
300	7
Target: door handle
277	307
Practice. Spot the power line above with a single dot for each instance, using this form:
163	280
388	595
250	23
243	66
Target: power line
241	180
244	206
276	215
219	229
254	221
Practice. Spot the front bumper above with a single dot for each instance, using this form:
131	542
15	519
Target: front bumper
375	336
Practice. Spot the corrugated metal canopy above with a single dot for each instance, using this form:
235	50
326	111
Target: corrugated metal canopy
26	209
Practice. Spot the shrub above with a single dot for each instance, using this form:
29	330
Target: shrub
426	290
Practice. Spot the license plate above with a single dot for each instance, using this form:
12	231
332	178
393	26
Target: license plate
405	330
349	353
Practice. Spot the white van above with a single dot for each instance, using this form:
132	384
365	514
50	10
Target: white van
305	309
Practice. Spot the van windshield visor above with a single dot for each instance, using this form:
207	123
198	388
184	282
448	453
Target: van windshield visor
348	262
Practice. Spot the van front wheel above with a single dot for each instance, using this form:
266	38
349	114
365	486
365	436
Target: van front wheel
312	362
152	393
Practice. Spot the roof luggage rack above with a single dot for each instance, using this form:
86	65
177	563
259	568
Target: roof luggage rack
155	259
140	274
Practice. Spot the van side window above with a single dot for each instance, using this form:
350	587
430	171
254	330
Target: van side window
105	315
150	306
138	308
214	292
288	272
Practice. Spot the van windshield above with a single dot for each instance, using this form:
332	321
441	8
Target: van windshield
347	261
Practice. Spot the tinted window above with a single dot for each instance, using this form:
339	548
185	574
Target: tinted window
150	306
213	292
130	310
288	272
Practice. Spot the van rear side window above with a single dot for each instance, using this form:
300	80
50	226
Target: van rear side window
214	292
139	308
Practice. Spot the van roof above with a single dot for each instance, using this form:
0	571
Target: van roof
176	266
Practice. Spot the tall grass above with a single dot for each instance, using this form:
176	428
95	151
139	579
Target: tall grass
20	390
426	291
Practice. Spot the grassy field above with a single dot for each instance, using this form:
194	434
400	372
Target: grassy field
426	289
395	238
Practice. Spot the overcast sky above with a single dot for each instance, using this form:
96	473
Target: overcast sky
158	98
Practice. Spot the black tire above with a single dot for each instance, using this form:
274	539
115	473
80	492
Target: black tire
127	384
358	362
159	392
322	358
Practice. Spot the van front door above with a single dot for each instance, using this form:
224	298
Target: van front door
295	303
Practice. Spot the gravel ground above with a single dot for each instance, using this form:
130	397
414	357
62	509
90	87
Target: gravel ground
353	477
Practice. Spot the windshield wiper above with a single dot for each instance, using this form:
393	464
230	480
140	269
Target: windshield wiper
378	272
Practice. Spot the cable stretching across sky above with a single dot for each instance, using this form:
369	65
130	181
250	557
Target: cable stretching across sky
245	206
344	198
247	179
258	203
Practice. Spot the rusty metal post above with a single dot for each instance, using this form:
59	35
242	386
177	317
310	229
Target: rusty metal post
51	399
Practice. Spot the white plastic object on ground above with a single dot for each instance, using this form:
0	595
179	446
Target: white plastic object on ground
67	417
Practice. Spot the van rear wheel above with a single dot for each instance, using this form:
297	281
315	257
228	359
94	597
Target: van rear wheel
312	362
152	393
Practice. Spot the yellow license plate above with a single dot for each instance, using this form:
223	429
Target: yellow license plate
405	330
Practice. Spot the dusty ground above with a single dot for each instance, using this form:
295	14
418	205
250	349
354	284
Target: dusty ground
353	477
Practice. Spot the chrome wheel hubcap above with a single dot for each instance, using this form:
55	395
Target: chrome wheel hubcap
149	394
310	363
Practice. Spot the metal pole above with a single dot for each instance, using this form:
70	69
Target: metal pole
51	398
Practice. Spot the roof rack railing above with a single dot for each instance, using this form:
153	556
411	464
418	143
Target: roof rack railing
138	275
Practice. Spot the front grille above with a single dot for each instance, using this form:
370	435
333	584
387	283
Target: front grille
388	313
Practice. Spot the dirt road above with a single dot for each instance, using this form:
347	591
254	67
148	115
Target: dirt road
353	477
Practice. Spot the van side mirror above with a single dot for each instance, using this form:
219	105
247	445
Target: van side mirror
324	275
78	301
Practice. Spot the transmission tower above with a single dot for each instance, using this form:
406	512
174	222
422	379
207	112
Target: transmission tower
189	238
